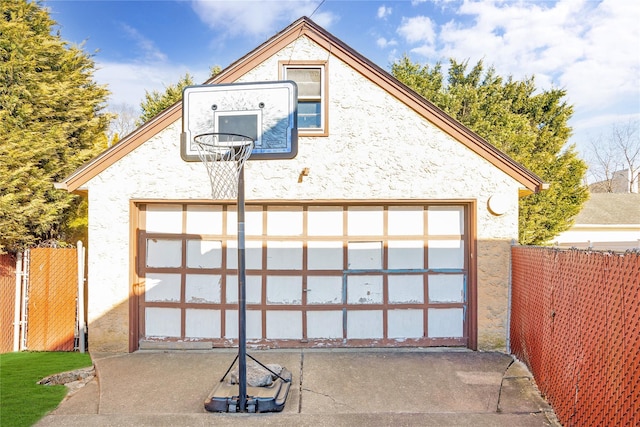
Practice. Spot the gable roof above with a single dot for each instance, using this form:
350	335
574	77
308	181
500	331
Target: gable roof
609	209
305	27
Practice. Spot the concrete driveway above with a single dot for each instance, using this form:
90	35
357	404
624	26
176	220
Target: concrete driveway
330	388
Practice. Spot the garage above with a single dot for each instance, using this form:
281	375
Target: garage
319	274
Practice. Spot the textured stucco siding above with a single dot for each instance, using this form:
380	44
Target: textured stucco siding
377	148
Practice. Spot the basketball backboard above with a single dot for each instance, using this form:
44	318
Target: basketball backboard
263	111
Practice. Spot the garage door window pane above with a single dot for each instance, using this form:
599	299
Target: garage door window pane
253	324
204	254
162	287
202	288
446	288
164	219
202	219
445	220
445	322
405	323
365	221
325	255
364	289
446	254
284	290
406	221
406	289
363	324
284	222
284	325
406	254
164	253
364	255
284	255
324	290
324	221
324	324
162	322
200	323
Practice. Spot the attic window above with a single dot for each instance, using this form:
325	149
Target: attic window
312	103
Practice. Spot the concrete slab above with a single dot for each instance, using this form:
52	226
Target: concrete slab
329	387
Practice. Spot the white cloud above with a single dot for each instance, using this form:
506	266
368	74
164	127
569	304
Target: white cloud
588	48
417	29
129	81
384	12
257	18
384	43
150	51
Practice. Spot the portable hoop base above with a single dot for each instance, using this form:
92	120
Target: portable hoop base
226	397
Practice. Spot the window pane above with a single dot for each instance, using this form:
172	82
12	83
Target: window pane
309	114
307	79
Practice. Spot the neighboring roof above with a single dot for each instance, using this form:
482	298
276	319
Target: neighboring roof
305	27
610	208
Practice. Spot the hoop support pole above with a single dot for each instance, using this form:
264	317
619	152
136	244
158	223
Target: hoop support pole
242	300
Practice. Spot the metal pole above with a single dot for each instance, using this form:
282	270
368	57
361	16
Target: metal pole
80	306
242	302
18	299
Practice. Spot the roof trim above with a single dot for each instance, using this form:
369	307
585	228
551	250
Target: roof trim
305	27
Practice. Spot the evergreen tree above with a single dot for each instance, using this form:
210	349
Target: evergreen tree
156	102
528	125
50	123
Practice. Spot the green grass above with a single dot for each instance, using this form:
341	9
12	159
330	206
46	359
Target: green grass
22	401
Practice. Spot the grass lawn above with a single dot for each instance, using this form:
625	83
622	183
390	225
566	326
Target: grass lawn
22	401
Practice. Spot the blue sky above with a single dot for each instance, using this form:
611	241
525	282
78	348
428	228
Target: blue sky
591	48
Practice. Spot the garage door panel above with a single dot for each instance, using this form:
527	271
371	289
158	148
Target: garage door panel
315	275
365	289
445	322
325	221
204	254
162	287
324	290
164	253
283	324
325	324
202	323
285	290
406	289
407	323
203	288
446	288
446	254
325	255
284	255
364	324
204	219
406	254
164	218
163	322
364	255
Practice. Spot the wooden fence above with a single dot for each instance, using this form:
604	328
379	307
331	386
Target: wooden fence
45	293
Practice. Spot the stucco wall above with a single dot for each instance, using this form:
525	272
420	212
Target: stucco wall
377	148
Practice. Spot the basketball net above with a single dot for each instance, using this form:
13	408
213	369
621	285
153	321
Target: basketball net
224	156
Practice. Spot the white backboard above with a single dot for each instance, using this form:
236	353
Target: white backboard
263	111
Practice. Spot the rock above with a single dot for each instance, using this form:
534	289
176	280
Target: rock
257	376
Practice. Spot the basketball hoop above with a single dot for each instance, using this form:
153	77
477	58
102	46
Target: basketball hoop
224	155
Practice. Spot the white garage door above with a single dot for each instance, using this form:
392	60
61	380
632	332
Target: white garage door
317	275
